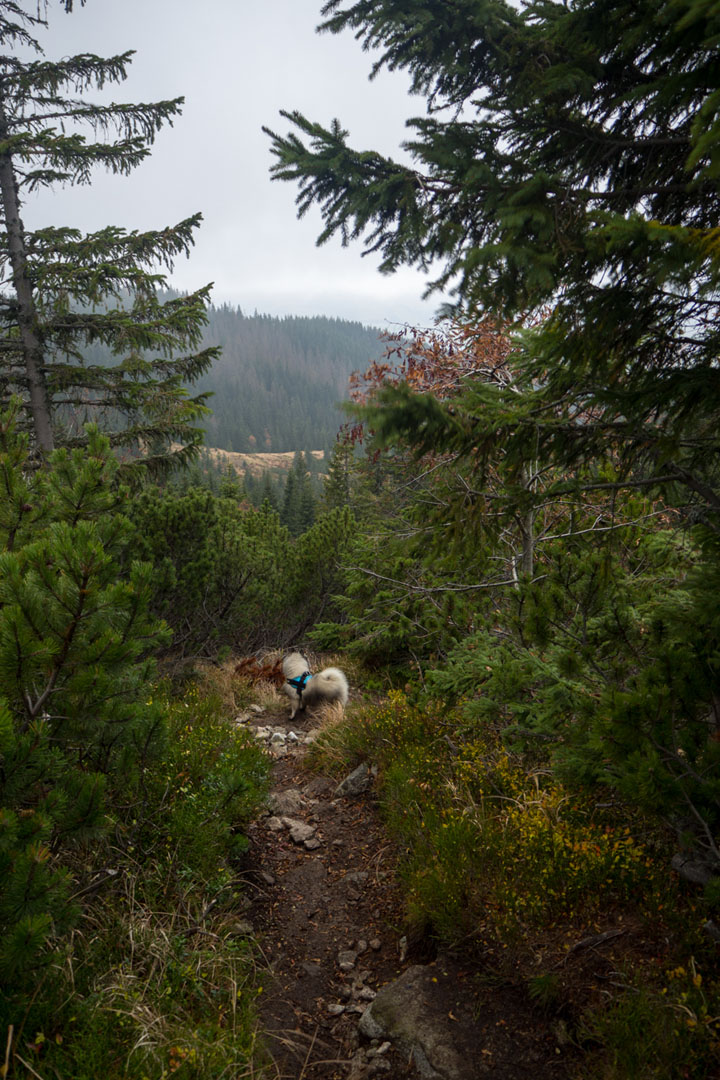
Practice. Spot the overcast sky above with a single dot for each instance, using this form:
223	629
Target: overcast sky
237	63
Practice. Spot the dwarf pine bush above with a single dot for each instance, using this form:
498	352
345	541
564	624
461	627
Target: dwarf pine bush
122	808
75	638
229	577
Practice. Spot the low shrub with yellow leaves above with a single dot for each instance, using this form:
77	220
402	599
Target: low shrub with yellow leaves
491	847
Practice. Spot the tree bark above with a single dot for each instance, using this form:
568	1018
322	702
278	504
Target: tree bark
527	531
30	338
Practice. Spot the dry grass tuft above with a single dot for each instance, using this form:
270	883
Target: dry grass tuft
238	683
175	963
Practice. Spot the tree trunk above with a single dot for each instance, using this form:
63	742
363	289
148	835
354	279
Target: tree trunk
30	339
527	531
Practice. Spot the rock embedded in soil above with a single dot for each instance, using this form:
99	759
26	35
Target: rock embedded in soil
346	960
300	831
403	1012
287	803
354	784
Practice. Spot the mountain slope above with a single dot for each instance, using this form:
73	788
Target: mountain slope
279	381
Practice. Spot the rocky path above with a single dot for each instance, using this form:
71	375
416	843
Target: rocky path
344	998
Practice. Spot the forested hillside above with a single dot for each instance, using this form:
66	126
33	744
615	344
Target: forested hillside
271	383
277	382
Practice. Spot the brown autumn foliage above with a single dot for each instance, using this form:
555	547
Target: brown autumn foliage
255	671
437	361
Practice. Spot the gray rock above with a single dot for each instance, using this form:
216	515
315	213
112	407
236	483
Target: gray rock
403	1013
299	830
353	883
370	1027
243	928
696	870
346	960
354	784
287	803
274	824
358	1067
712	929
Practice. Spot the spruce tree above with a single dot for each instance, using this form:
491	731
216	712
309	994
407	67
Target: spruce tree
307	496
337	483
298	509
568	157
64	292
268	491
290	513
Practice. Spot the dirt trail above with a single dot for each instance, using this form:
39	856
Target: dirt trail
328	915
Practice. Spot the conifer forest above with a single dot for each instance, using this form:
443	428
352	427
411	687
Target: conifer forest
504	528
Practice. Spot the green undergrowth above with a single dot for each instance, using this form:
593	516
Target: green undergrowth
159	978
499	858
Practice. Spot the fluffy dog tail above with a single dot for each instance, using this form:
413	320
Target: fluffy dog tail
328	685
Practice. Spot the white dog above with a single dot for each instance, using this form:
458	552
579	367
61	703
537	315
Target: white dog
305	689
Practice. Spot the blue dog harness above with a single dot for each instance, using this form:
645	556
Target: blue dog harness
299	683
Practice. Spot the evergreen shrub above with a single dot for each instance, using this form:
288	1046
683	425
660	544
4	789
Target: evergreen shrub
122	811
208	787
76	729
229	577
606	669
166	982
